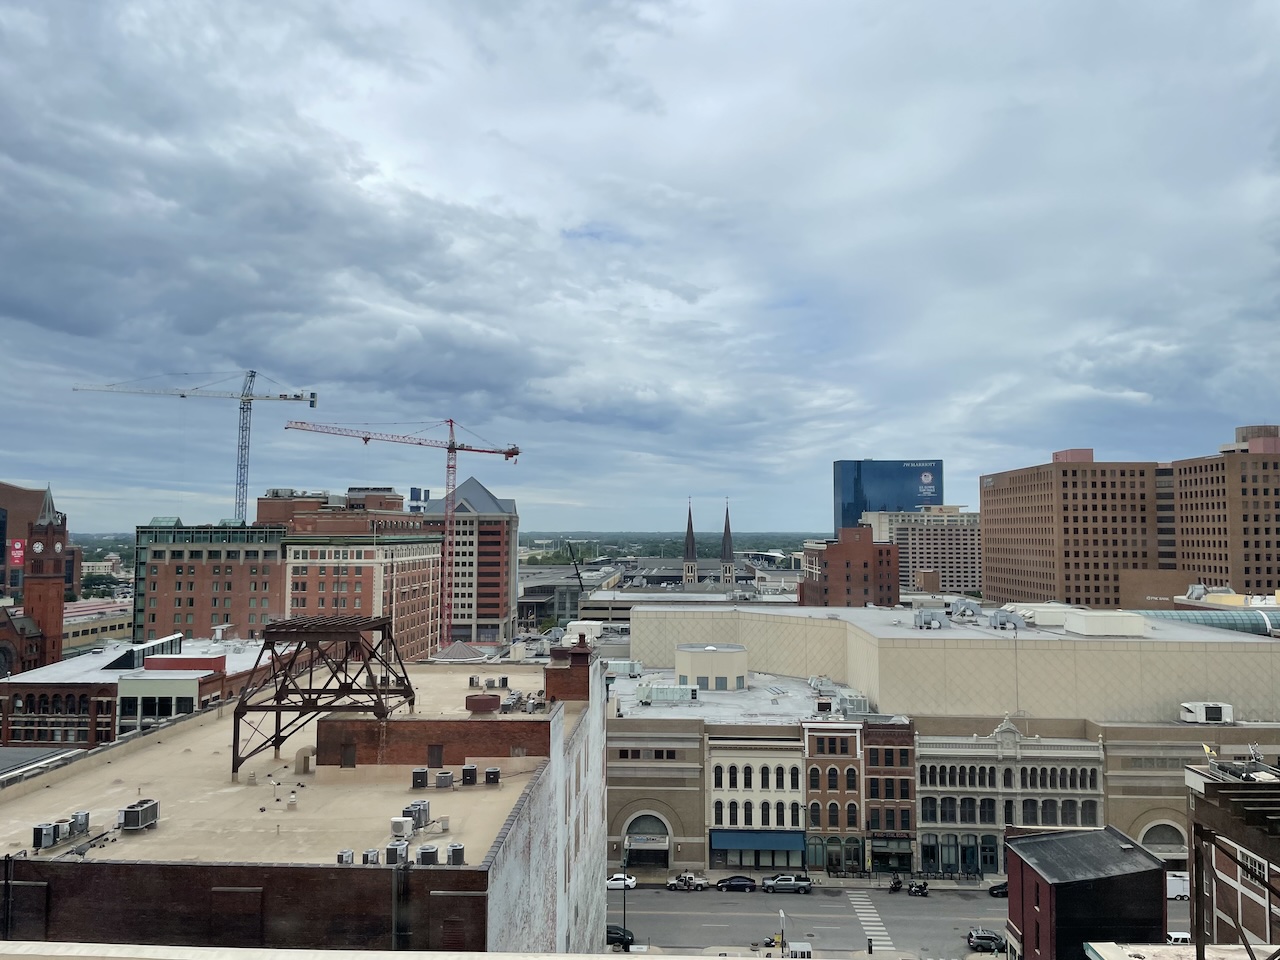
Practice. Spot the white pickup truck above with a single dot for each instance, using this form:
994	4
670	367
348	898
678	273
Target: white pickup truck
688	881
787	883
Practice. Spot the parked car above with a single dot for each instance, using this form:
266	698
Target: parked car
1177	936
999	889
688	881
736	882
619	935
787	883
621	881
983	939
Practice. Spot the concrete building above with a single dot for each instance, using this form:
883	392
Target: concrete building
259	863
863	486
974	788
486	569
941	539
850	571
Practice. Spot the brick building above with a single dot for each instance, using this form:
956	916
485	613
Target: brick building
259	863
485	561
851	571
888	794
1134	534
34	638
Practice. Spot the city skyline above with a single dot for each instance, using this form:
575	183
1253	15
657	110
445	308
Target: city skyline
669	251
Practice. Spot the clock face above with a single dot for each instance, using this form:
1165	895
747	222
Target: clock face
37	547
57	546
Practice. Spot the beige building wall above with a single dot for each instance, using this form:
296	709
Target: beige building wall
957	671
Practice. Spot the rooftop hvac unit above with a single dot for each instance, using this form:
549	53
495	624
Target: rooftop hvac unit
346	856
421	778
502	682
62	828
370	856
475	682
402	826
140	815
1207	712
81	821
428	855
43	835
397	852
492	775
444	780
457	854
421	813
469	775
490	683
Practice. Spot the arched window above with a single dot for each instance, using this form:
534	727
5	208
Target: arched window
851	779
795	810
778	782
851	816
795	779
31	703
1044	779
948	810
924	776
1008	778
973	776
1049	813
57	703
733	777
833	779
746	809
815	777
815	814
733	813
991	776
719	813
928	810
963	778
1075	779
1089	813
1093	779
1030	810
764	812
44	703
780	809
1062	779
833	816
933	776
764	778
1053	779
746	778
1024	778
951	776
982	776
1069	813
718	777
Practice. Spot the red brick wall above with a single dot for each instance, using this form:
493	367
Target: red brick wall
568	675
284	906
841	574
404	740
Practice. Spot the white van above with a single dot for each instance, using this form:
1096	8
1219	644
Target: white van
1178	936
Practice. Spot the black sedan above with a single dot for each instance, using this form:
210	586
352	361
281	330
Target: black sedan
999	889
618	935
746	884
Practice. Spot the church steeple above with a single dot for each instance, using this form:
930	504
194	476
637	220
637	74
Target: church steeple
690	551
726	552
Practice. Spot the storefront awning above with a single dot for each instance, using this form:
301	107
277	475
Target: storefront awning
756	840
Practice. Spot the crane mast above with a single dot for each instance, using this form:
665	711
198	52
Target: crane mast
451	447
246	396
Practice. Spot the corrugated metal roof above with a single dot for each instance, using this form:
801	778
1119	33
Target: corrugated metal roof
1069	856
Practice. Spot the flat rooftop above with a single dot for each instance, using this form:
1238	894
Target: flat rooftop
92	667
205	817
768	699
895	624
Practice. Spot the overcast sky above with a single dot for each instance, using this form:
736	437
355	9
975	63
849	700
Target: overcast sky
671	250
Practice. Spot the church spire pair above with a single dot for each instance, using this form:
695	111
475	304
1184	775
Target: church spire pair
691	550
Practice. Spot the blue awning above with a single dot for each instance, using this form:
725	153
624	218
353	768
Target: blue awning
757	840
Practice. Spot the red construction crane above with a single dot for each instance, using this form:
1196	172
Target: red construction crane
450	491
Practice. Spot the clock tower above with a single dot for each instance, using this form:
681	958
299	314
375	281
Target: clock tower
44	582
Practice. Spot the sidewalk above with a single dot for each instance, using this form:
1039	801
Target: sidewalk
652	878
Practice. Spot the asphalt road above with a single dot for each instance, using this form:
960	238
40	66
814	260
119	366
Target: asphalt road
831	918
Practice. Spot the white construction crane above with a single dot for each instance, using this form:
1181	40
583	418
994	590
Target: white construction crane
246	396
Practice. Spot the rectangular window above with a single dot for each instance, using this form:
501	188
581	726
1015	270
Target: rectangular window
873	756
873	821
873	788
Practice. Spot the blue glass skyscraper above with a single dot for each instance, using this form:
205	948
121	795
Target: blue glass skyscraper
862	485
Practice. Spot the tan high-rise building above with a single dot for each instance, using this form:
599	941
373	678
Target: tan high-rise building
1078	531
942	539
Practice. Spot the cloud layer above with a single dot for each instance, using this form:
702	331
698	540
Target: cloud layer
669	249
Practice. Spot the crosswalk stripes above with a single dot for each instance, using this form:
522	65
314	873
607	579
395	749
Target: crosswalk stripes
869	917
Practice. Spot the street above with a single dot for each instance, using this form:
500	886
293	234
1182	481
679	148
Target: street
831	918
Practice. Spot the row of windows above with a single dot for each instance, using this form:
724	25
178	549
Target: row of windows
214	555
1030	778
1067	813
779	777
